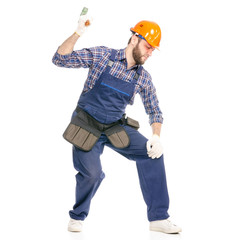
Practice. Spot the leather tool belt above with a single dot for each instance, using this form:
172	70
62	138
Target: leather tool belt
84	131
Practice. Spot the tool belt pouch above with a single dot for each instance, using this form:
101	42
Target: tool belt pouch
81	135
118	136
132	123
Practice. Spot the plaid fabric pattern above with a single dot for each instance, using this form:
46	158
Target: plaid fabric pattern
96	59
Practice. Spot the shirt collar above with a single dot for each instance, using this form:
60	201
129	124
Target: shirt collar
122	56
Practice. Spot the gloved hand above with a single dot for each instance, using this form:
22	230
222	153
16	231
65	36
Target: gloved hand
154	147
83	22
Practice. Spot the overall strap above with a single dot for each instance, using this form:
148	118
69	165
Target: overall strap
113	55
111	59
137	74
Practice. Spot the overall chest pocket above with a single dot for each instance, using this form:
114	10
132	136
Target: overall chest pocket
117	88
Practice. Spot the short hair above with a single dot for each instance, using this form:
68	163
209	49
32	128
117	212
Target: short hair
130	39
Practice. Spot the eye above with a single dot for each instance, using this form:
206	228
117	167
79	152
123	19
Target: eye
150	48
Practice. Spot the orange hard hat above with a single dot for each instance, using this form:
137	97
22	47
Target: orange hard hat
150	31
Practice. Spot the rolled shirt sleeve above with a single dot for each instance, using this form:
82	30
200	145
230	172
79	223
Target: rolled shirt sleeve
151	103
83	58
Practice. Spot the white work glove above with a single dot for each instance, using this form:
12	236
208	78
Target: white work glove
154	147
83	22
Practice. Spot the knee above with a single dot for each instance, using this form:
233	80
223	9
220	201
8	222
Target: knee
92	176
158	161
160	158
96	175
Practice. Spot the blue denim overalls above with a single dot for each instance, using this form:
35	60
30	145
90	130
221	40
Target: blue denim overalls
106	102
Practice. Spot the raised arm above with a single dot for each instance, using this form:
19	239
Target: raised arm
68	45
65	56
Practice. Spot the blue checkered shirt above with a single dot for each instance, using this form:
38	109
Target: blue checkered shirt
90	58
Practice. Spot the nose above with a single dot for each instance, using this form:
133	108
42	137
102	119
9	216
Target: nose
150	52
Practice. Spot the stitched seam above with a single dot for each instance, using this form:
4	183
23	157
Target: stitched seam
114	88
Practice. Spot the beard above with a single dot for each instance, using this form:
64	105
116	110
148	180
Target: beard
137	55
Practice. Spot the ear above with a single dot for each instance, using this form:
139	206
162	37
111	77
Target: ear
134	40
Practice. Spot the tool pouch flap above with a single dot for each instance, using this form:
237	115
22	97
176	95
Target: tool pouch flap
132	123
81	135
117	136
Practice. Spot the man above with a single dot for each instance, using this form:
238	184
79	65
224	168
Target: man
114	78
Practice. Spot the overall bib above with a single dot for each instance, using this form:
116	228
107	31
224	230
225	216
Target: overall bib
106	102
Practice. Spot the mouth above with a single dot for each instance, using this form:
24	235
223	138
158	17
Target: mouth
145	57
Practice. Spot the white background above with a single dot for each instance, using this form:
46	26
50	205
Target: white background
196	73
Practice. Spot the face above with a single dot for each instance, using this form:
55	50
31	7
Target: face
142	51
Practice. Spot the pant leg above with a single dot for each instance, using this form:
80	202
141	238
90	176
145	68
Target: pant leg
88	178
151	174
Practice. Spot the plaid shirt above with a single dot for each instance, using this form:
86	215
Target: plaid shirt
90	57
